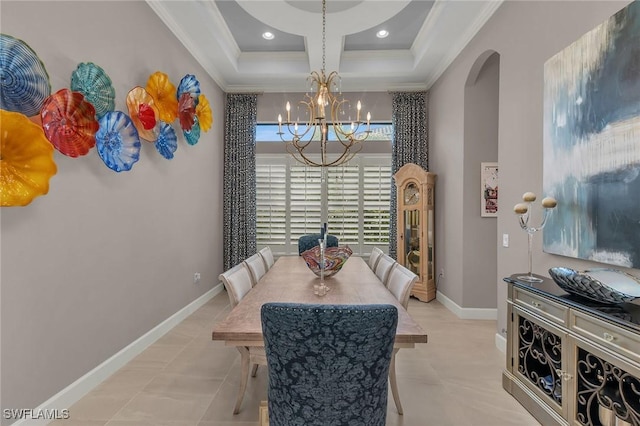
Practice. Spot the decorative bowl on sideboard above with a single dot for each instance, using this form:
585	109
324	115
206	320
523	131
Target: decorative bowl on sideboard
602	285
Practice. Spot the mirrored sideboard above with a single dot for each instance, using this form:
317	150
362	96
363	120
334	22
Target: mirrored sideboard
571	361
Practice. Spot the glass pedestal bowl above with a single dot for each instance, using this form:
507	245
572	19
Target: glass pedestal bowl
334	258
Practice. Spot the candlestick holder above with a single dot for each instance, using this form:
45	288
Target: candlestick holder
322	289
523	210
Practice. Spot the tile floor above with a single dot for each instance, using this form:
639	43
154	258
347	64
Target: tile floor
186	379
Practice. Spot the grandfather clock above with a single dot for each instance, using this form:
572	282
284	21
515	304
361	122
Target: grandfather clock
415	235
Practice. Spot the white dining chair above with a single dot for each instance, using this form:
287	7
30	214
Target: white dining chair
374	257
383	268
256	267
238	283
399	284
267	256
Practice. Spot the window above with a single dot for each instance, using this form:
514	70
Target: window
293	200
379	132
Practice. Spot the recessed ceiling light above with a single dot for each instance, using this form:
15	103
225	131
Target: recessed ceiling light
382	33
268	36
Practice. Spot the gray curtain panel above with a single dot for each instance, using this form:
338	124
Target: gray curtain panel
239	199
410	144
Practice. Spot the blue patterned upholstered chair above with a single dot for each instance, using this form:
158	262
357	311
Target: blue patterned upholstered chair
328	364
306	242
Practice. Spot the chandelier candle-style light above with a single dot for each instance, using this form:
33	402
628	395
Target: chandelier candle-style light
325	94
523	210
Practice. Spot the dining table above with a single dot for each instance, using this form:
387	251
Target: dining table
290	280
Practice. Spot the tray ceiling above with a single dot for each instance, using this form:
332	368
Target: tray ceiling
225	36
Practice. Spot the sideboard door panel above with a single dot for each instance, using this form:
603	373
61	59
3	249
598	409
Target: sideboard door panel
538	357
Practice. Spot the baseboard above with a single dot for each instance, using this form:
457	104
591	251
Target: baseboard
474	313
76	390
501	343
467	313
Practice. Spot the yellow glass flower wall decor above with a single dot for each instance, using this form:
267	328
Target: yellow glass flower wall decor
164	94
26	160
203	111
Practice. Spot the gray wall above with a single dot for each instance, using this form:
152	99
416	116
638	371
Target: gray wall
525	34
105	256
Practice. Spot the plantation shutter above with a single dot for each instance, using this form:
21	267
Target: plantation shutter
271	205
305	212
343	196
376	185
290	202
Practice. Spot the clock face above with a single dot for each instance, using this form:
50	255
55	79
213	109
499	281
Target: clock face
411	194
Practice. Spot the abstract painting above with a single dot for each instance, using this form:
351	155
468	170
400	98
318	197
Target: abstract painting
592	143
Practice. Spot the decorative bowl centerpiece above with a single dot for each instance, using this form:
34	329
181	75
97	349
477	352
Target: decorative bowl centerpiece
334	259
600	284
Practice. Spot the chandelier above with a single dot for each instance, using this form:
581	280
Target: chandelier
305	139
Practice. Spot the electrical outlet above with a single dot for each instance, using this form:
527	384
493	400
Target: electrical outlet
505	240
196	277
442	272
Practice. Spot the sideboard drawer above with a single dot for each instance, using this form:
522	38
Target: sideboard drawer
543	307
619	340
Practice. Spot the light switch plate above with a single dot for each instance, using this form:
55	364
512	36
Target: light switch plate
505	240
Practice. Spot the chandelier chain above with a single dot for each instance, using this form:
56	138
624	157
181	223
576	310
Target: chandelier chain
324	29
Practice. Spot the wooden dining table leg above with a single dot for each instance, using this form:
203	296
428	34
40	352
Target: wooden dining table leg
394	383
244	376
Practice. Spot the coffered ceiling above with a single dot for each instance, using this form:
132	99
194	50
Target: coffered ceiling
225	36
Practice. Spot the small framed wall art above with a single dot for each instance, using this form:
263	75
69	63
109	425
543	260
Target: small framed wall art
489	190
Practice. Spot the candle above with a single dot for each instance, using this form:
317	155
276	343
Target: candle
321	101
279	123
521	208
549	202
368	121
288	107
320	113
528	197
358	107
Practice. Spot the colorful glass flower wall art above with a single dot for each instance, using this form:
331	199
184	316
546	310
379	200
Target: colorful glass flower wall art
118	141
94	83
69	122
26	160
73	120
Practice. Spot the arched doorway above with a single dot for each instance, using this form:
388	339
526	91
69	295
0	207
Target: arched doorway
480	245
